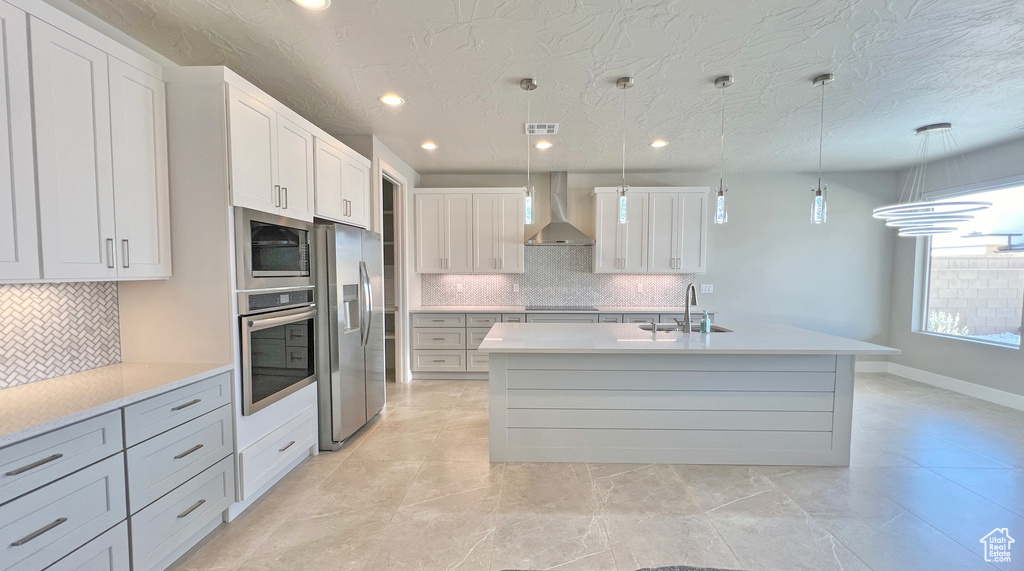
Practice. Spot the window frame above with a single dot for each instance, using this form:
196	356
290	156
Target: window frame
923	262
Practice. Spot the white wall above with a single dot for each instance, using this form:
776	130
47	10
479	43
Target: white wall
995	367
768	264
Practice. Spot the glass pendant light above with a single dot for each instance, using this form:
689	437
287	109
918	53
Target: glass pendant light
528	84
721	214
819	196
623	83
918	217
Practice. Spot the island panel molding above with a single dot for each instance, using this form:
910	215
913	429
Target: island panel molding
556	276
57	329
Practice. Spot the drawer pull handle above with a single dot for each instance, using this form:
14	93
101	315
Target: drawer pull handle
437	320
189	451
439	360
186	405
438	338
287	446
194	507
39	532
34	465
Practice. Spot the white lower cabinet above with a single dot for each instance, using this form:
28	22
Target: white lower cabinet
39	528
477	361
108	552
263	461
165	529
439	360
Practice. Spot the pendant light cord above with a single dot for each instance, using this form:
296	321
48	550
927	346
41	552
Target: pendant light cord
721	168
528	98
821	131
623	141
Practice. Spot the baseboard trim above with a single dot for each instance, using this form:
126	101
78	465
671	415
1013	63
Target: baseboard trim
872	367
977	391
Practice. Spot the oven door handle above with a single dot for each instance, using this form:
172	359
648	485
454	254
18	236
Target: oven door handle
258	323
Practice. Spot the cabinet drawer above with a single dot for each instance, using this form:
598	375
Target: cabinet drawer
475	336
264	459
168	523
40	528
163	463
477	361
108	552
640	318
152	416
441	361
38	461
561	318
482	319
513	318
609	318
439	320
438	338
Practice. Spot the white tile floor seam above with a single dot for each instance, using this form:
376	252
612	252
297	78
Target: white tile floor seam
931	473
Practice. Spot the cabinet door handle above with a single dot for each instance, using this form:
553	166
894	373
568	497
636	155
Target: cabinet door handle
194	507
284	199
38	532
277	195
286	446
186	405
110	252
34	465
189	451
501	264
126	254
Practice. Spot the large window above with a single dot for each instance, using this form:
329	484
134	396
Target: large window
976	275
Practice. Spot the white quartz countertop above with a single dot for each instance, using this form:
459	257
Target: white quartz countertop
32	409
628	338
522	309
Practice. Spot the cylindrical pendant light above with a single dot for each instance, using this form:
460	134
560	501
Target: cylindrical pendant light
623	83
819	196
528	84
721	213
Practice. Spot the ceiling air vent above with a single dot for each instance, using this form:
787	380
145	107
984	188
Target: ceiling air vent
542	128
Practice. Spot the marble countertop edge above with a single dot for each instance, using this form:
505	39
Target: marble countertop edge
36	408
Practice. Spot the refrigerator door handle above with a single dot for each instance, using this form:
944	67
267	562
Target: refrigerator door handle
367	296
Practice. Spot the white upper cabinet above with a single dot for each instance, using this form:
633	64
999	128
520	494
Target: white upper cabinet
253	142
355	188
469	231
498	238
295	169
458	223
271	158
666	231
141	203
430	238
620	248
19	239
342	185
73	148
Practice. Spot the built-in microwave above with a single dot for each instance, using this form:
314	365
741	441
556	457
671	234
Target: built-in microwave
278	342
272	251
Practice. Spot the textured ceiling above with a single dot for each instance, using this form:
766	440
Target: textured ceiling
899	64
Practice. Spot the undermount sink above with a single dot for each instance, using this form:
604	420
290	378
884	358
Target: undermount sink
694	328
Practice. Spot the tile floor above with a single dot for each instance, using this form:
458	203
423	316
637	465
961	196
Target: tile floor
931	473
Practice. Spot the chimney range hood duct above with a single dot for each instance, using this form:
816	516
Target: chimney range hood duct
559	232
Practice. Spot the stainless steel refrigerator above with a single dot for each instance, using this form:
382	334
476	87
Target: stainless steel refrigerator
350	297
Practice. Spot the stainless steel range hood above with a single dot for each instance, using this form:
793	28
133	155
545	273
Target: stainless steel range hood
559	232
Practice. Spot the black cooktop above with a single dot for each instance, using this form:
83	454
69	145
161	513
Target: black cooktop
560	308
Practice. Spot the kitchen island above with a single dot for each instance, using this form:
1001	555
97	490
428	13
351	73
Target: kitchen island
762	394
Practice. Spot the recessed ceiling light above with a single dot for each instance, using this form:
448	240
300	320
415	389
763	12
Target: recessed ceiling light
543	145
658	143
313	4
391	99
430	146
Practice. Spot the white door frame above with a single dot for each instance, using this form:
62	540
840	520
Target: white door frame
399	201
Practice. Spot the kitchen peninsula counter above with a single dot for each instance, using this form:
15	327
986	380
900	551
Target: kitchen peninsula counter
762	394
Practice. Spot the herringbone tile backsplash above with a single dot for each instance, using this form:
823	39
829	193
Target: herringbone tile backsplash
50	330
558	276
